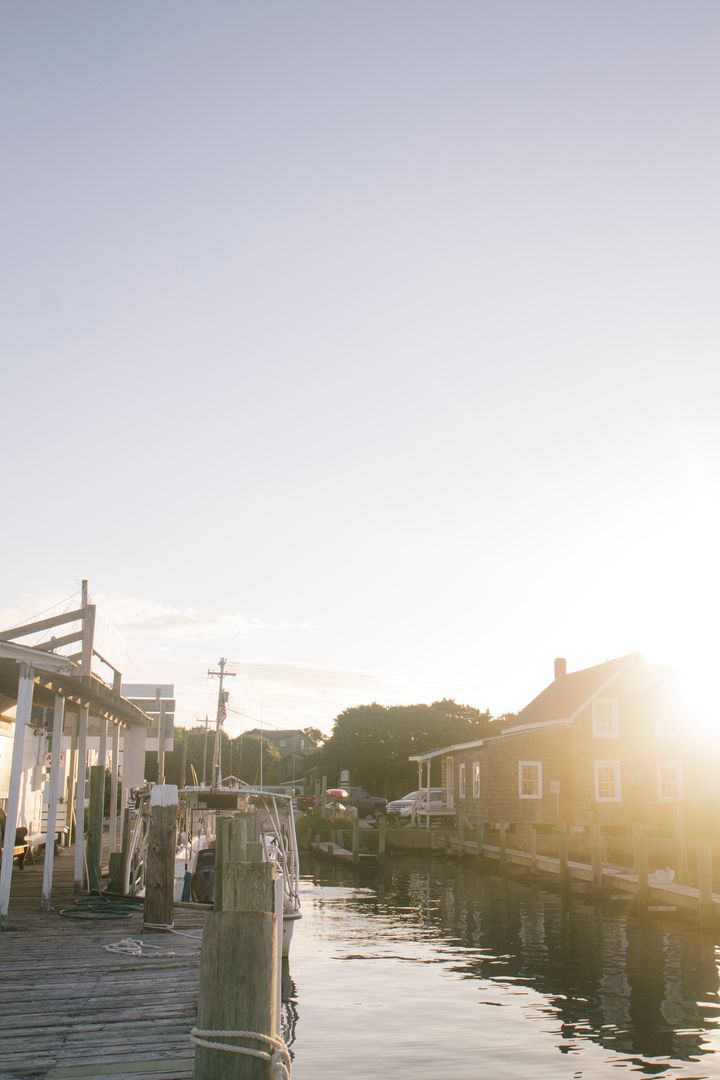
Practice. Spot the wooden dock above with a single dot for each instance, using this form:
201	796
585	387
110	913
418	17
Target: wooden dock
613	878
69	1009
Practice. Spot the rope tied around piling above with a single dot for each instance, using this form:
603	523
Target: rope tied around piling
279	1060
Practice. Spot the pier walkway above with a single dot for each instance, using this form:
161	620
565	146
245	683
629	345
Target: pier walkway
69	1009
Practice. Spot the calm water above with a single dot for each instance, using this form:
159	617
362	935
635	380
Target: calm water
429	970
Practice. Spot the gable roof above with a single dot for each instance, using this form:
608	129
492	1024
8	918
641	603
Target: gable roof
569	694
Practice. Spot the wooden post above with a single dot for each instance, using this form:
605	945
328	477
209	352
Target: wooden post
115	765
95	827
461	833
356	837
125	850
71	773
705	881
26	684
532	847
381	838
231	844
239	967
563	854
480	839
323	796
160	863
682	865
596	855
78	870
503	844
640	849
53	795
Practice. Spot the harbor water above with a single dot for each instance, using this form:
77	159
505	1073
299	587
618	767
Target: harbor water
428	969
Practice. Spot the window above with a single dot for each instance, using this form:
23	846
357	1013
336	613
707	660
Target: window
282	742
605	718
476	779
461	780
607	781
530	779
670	781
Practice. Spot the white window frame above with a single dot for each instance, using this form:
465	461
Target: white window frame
612	704
461	780
615	766
679	779
538	766
476	779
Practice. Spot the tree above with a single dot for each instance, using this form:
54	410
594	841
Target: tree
239	757
315	734
375	741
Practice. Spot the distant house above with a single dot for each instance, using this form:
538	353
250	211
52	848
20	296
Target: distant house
294	747
608	743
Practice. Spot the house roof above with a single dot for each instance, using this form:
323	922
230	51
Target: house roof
569	694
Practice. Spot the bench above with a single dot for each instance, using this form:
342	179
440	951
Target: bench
37	840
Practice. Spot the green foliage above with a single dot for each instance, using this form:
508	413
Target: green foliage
375	742
240	757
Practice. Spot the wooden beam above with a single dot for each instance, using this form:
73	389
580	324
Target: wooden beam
42	624
53	795
57	643
26	685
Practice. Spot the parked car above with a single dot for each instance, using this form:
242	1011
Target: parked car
364	802
404	807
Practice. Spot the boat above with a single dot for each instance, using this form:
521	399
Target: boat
274	823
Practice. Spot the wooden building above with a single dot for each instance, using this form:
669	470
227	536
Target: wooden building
51	700
608	744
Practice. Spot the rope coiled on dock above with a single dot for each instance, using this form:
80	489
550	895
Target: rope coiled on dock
279	1059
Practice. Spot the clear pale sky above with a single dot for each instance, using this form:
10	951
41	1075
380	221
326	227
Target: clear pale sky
371	345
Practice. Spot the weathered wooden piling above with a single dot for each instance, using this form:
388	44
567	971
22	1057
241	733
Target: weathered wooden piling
596	857
382	824
160	858
640	851
95	827
239	969
356	837
532	847
563	855
502	831
705	881
461	834
682	863
125	850
480	838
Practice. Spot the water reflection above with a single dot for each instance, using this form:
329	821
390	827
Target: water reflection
640	988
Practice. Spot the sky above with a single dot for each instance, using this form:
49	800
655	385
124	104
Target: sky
373	346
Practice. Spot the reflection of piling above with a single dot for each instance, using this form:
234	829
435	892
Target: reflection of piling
237	1004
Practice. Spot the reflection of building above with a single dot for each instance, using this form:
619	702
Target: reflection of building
609	744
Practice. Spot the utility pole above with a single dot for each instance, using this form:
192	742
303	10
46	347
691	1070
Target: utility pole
204	772
222	698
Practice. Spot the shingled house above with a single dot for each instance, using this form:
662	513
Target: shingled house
608	743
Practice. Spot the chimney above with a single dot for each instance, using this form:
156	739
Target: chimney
560	666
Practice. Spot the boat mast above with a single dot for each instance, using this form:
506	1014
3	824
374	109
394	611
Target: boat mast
216	780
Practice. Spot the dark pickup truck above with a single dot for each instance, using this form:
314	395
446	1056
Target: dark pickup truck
365	803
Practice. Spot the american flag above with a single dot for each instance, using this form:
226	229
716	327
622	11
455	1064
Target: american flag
222	713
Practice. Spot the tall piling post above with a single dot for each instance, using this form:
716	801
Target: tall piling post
532	848
640	850
563	855
596	856
705	881
95	827
356	838
160	864
239	968
682	863
382	825
125	850
502	829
